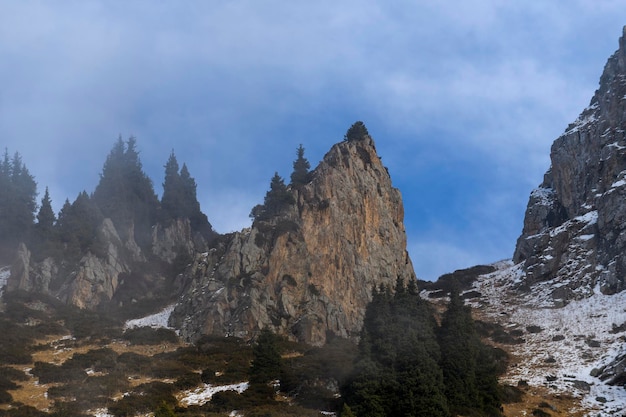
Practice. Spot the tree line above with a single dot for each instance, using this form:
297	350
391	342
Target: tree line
124	193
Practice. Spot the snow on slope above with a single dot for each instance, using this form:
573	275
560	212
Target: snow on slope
159	319
569	342
203	394
5	271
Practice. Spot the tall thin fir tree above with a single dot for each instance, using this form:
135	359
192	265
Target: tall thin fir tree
171	199
45	216
300	175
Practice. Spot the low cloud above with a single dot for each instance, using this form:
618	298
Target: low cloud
234	87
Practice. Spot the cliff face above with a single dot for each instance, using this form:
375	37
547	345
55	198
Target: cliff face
309	272
97	279
575	224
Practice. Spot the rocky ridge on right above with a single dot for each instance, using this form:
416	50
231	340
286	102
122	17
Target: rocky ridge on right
575	224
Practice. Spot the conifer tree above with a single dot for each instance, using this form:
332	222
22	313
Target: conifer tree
397	372
180	198
300	175
125	193
356	132
468	368
43	240
78	225
45	216
277	199
18	192
267	361
172	190
459	349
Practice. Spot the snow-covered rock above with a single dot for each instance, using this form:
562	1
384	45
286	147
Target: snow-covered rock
5	272
203	394
157	320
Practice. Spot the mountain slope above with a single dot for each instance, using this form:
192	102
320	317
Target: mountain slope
558	308
559	350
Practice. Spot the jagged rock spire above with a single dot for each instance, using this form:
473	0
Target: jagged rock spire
308	272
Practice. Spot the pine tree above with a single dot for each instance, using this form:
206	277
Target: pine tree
300	175
180	199
125	193
357	131
468	367
78	226
43	241
397	372
172	190
267	361
45	217
18	193
277	199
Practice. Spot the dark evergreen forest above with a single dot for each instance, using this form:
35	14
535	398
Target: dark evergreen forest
408	365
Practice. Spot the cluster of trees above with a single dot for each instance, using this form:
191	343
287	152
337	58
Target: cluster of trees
125	194
18	193
408	365
279	197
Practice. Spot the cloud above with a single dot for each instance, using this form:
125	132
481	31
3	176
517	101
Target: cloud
472	93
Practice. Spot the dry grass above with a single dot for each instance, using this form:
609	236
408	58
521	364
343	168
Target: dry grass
62	348
538	397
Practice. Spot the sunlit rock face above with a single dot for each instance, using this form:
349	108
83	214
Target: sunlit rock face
309	272
575	225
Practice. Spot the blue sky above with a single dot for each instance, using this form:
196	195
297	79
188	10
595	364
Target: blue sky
462	98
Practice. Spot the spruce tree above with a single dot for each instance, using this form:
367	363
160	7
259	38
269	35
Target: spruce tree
468	367
180	199
300	175
267	361
397	372
43	241
356	132
277	199
125	193
172	190
18	193
459	349
78	226
45	217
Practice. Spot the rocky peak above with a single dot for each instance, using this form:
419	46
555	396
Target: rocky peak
575	224
308	272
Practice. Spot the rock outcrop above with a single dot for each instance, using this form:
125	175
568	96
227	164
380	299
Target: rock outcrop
96	277
307	273
575	224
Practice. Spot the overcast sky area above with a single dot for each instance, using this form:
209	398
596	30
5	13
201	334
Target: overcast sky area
463	99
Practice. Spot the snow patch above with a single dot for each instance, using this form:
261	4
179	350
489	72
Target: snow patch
587	117
203	394
158	320
102	412
5	272
543	196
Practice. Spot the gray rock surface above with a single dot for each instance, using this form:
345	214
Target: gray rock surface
575	224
